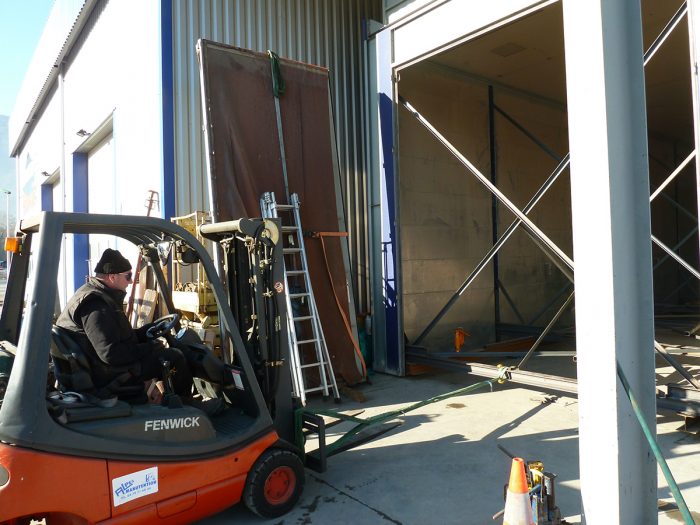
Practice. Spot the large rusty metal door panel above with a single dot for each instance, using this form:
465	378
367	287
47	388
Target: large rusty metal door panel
244	161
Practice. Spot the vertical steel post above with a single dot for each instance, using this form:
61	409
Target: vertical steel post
611	232
694	51
494	215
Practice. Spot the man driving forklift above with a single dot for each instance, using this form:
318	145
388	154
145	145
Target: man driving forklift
118	354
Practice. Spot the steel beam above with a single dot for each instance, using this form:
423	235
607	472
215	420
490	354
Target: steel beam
527	223
561	292
676	257
694	52
511	303
548	328
494	211
677	367
522	377
611	232
665	32
529	135
677	246
672	176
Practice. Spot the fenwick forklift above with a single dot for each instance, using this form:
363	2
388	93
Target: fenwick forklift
71	456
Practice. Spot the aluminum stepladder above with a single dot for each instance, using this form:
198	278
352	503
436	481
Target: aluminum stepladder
300	323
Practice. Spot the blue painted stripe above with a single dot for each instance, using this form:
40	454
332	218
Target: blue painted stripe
388	204
167	193
47	197
81	247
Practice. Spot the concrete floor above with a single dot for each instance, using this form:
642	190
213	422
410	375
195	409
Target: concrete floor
443	466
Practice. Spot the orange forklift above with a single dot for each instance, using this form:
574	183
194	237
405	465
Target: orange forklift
70	454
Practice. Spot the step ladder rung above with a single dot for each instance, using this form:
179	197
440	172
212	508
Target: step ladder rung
296	272
315	389
283	206
289	229
306	341
313	365
297	295
303	318
291	250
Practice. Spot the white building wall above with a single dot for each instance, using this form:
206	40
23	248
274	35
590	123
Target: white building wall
108	84
40	154
114	73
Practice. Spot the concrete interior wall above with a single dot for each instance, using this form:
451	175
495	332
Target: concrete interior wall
526	274
445	214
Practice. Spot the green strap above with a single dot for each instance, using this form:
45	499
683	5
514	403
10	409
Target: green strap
277	80
682	507
363	423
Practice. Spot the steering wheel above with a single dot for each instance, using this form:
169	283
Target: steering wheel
162	327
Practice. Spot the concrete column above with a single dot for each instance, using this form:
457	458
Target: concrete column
612	251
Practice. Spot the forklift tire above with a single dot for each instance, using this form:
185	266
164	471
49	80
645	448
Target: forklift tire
274	484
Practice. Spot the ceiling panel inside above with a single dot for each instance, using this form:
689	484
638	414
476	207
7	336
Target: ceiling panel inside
528	56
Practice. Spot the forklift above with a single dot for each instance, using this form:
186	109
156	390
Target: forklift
68	455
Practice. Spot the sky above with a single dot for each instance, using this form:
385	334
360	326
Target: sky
21	24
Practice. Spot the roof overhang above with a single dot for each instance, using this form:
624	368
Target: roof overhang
64	25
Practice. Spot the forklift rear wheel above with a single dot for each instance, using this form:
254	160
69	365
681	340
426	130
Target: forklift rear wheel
274	483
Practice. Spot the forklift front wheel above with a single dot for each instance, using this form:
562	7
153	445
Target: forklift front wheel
274	484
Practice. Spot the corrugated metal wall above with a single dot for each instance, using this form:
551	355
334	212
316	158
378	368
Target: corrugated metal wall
322	32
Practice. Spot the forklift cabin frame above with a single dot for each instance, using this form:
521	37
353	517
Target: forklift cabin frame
25	330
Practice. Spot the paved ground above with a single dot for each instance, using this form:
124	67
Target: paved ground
443	465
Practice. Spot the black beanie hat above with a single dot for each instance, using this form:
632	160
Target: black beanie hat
112	262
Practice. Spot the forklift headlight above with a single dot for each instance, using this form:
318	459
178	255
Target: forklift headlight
13	244
4	476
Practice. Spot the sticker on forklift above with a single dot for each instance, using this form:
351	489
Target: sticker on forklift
279	287
134	485
237	381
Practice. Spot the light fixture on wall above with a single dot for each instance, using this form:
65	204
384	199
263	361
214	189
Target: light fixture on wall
82	133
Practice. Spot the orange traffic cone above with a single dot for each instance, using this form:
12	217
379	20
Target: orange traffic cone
518	510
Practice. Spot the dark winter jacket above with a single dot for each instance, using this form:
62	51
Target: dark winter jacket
95	315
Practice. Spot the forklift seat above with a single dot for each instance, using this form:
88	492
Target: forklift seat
73	370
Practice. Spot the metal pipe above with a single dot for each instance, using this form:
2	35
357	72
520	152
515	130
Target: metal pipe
561	292
682	208
554	257
505	354
527	223
675	256
494	212
650	436
521	364
665	32
529	135
677	246
494	249
523	377
678	368
510	302
672	176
